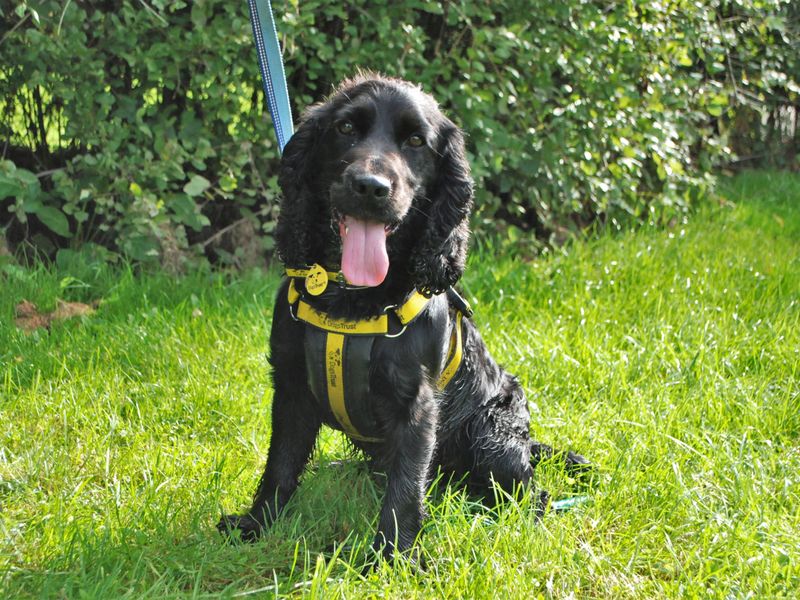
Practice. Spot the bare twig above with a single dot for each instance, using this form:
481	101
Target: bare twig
14	28
233	225
39	108
728	60
48	172
744	159
61	20
254	168
151	10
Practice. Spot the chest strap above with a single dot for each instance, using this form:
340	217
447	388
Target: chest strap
377	325
342	377
338	375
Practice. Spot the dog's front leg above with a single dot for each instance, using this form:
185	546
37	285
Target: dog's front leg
295	424
410	447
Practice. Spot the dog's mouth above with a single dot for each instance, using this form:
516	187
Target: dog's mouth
365	261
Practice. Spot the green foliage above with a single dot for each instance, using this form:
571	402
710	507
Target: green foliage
762	122
142	118
144	122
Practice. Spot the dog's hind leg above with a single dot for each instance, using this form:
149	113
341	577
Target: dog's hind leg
571	460
497	443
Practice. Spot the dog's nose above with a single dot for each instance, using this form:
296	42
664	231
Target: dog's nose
372	186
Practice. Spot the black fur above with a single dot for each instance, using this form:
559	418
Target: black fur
478	429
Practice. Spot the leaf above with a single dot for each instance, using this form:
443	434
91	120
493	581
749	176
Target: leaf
9	187
54	219
140	247
683	58
197	185
18	182
187	212
198	15
228	183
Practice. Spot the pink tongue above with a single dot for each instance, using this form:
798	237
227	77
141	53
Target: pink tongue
364	258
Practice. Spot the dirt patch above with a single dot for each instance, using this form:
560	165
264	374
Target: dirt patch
29	318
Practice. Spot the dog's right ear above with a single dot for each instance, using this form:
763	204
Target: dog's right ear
440	255
296	222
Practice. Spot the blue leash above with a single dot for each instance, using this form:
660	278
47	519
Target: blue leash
271	64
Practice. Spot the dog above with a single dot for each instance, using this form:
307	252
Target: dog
368	335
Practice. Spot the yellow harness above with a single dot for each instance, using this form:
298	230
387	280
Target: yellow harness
338	350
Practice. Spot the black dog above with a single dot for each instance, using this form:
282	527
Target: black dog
376	184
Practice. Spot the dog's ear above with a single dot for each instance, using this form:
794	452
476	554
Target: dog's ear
298	218
439	257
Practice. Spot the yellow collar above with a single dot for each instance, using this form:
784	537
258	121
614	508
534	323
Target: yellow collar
316	277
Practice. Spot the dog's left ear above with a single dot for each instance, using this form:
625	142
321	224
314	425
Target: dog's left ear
439	257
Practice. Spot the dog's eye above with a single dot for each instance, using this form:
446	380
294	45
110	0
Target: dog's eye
345	128
416	140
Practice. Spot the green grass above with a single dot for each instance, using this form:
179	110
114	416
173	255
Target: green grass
671	358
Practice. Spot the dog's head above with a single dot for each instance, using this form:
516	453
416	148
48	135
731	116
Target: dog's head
376	180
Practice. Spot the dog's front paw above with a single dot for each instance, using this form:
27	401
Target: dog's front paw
244	528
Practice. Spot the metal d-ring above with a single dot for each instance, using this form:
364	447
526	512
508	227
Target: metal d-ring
399	333
394	335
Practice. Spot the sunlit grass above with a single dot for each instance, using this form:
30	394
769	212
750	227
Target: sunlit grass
669	357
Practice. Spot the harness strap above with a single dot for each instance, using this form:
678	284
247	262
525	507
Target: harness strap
338	361
376	326
293	294
409	310
346	375
455	353
338	375
338	353
406	312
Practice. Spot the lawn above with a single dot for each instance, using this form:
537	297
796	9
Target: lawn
669	357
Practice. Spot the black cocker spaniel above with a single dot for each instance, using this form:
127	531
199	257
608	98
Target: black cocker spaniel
367	334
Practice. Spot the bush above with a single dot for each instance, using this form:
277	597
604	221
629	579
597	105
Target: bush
140	127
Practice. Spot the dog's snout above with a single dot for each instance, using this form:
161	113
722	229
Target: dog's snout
370	190
371	186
